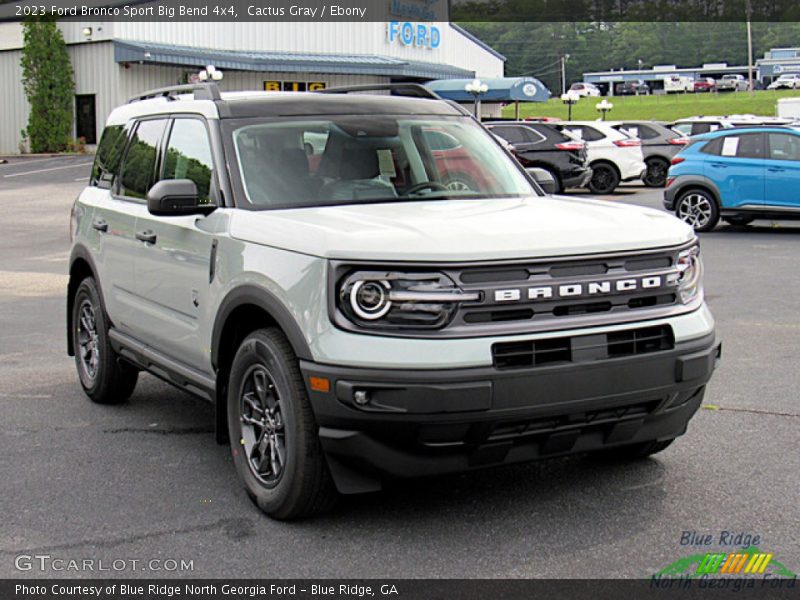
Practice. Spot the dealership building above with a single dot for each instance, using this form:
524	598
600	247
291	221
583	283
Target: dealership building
115	60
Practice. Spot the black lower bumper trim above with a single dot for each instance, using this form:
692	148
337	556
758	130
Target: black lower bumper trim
412	423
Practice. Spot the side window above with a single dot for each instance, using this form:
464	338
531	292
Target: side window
189	156
713	147
532	136
140	161
646	133
109	156
750	146
783	146
590	134
513	135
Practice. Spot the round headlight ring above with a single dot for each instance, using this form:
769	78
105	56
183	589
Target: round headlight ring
369	299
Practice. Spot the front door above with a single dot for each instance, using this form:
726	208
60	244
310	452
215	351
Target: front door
782	181
173	271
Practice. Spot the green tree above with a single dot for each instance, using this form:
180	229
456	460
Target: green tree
48	79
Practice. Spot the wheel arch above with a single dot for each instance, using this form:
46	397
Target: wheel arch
607	162
698	184
81	266
244	310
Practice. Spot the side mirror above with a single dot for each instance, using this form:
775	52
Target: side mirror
175	197
544	178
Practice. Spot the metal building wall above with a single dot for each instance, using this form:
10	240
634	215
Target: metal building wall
12	102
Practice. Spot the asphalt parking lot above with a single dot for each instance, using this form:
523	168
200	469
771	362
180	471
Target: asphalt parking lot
146	480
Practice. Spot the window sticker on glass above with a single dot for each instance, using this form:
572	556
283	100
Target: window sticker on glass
729	146
713	127
631	131
386	163
578	133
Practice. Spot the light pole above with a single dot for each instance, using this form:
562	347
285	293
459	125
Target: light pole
604	107
749	10
564	59
476	87
570	98
210	73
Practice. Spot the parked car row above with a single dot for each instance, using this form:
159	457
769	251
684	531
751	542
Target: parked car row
598	155
685	84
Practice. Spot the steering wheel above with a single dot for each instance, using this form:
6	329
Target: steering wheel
426	185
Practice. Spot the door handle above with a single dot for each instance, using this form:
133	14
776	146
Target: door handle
146	236
719	166
775	169
100	225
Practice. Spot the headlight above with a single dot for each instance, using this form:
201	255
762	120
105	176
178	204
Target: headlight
397	300
690	275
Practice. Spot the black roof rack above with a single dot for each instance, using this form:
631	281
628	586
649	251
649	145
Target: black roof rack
202	91
414	90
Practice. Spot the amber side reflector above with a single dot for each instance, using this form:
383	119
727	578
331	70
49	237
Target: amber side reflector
320	384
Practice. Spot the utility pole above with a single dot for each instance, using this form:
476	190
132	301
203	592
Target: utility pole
564	58
749	48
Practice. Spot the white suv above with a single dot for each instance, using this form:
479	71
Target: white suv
300	261
613	155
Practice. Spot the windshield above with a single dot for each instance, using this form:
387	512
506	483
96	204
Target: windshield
373	158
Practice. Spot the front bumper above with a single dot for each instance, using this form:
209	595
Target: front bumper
578	178
419	422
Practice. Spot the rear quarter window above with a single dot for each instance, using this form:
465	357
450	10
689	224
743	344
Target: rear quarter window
109	156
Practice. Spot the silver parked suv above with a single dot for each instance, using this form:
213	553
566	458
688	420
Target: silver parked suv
305	262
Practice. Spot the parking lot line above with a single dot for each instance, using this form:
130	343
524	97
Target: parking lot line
46	170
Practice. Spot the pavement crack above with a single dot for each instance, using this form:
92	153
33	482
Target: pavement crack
229	526
754	411
162	431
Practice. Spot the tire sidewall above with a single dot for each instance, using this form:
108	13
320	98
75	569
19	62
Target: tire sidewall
656	161
713	219
258	349
608	189
87	290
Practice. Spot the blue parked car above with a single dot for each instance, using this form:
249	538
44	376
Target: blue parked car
738	175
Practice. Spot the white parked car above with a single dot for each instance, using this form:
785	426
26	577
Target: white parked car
705	123
787	81
678	83
585	89
732	83
613	155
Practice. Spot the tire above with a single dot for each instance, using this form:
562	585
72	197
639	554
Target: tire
605	178
461	183
104	378
697	208
656	175
270	420
738	221
634	451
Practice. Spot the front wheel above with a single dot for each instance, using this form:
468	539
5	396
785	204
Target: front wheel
698	209
104	378
656	174
274	438
605	179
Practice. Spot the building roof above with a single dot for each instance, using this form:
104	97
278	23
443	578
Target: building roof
501	89
283	62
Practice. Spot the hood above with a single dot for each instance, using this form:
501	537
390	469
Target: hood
462	230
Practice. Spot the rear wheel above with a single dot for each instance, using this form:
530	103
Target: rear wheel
656	174
698	209
605	179
274	438
104	378
557	186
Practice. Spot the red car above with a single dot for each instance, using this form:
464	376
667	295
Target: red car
705	84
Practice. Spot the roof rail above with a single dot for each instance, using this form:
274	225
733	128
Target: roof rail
414	90
202	91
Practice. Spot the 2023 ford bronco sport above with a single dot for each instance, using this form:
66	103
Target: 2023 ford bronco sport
370	286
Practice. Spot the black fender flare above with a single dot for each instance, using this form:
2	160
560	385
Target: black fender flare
81	252
257	296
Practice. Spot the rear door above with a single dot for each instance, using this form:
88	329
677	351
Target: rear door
736	165
173	266
782	180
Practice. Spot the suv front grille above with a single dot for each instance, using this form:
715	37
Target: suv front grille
583	348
